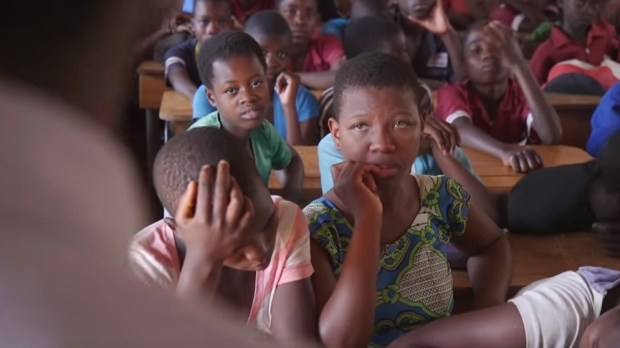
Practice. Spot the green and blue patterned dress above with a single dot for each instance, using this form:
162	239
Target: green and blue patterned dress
414	284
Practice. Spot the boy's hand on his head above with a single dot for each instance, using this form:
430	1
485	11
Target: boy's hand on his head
213	216
437	21
609	235
287	85
507	40
521	159
355	186
445	135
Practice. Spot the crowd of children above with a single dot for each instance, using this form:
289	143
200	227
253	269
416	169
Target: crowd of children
404	83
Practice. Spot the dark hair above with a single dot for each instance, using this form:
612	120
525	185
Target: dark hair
374	70
367	34
179	161
267	23
228	2
225	45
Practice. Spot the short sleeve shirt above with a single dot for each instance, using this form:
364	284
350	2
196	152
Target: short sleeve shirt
261	5
605	120
269	150
511	124
414	280
601	41
155	259
183	54
325	50
305	102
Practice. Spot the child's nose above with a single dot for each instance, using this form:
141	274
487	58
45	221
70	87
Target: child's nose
382	141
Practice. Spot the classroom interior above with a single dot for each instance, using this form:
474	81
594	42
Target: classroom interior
156	112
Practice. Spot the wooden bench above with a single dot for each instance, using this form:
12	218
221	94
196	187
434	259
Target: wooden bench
535	257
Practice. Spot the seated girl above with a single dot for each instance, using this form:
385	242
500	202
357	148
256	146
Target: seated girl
381	233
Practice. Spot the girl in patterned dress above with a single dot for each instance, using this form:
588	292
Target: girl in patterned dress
378	237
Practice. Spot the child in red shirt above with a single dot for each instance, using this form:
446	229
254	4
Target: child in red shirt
242	9
581	36
493	112
315	57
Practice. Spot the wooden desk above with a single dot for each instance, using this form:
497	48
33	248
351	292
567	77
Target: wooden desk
500	179
575	112
494	174
151	84
176	109
539	257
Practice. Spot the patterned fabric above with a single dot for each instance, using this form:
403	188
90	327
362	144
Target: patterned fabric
154	257
414	284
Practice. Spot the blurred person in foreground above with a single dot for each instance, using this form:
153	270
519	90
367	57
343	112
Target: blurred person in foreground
69	195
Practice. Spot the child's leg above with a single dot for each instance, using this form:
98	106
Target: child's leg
499	326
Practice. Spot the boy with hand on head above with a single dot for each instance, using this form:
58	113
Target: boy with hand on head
432	43
295	109
581	36
233	69
181	70
315	57
381	232
230	240
493	112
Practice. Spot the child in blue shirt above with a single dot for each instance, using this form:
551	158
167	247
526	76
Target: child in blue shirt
605	120
296	123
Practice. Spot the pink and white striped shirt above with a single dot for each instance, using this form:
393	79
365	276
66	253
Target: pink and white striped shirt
154	256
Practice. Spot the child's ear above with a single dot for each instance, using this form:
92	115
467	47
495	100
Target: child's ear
210	97
334	129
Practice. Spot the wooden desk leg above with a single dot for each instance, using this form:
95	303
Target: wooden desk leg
153	137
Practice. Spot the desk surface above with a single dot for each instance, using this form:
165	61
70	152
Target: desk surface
175	107
491	170
536	257
486	165
151	68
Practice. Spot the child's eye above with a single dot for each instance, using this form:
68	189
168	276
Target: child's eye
360	126
230	90
256	84
282	55
401	124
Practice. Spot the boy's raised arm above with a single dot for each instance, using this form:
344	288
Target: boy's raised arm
546	121
180	80
519	158
439	24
